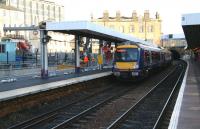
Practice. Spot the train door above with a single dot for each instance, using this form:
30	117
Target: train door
150	58
147	59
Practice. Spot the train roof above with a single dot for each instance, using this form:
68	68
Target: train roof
146	47
166	51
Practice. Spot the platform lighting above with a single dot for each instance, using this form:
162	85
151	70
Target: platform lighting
46	39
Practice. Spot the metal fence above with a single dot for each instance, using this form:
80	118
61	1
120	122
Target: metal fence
58	63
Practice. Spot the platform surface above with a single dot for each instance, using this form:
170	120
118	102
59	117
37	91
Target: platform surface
190	110
186	114
34	85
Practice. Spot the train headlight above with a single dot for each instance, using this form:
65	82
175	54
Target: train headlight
134	73
117	74
136	66
115	66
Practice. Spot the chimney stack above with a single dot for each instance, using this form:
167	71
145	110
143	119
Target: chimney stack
118	15
106	15
157	15
134	14
146	14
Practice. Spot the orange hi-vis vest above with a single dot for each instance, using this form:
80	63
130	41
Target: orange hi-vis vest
85	59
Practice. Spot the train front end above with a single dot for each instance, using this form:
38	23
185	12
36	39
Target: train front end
126	62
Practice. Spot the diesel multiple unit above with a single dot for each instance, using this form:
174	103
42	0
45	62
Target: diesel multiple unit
137	60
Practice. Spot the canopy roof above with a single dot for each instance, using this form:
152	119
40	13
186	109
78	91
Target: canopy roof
88	29
191	28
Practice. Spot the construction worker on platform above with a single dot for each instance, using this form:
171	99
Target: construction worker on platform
86	60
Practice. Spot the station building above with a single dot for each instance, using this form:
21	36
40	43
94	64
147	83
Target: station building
143	27
30	13
10	16
174	41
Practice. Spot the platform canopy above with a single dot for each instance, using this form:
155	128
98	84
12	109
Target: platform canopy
88	29
191	28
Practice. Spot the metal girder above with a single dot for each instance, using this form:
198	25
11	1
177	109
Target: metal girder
77	53
30	28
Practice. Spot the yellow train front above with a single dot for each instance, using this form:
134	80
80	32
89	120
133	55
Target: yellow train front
136	60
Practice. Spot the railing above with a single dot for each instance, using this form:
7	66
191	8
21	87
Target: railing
59	63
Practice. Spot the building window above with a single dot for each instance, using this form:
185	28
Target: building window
2	48
3	1
48	8
59	14
121	29
21	2
141	29
4	12
14	1
43	10
35	21
183	18
151	28
54	12
30	4
37	10
132	29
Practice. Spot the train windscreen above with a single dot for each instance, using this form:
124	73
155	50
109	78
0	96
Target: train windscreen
126	54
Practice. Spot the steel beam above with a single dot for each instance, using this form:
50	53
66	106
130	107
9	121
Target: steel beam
20	28
77	53
44	55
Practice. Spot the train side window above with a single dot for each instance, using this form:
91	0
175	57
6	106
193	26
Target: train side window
146	57
163	56
155	57
158	56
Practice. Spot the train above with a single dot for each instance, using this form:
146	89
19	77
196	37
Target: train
136	61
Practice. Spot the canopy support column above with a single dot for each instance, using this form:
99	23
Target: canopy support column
77	53
44	55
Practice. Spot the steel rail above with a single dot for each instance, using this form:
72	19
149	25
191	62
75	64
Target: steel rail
85	112
118	121
47	116
71	120
168	100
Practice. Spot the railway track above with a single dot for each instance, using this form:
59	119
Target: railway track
84	112
69	111
87	118
147	113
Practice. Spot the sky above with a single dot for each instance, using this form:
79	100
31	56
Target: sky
170	10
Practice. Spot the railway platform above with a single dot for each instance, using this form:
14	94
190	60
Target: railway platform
186	114
35	85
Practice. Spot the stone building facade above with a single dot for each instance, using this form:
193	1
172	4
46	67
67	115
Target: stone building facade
143	27
30	13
